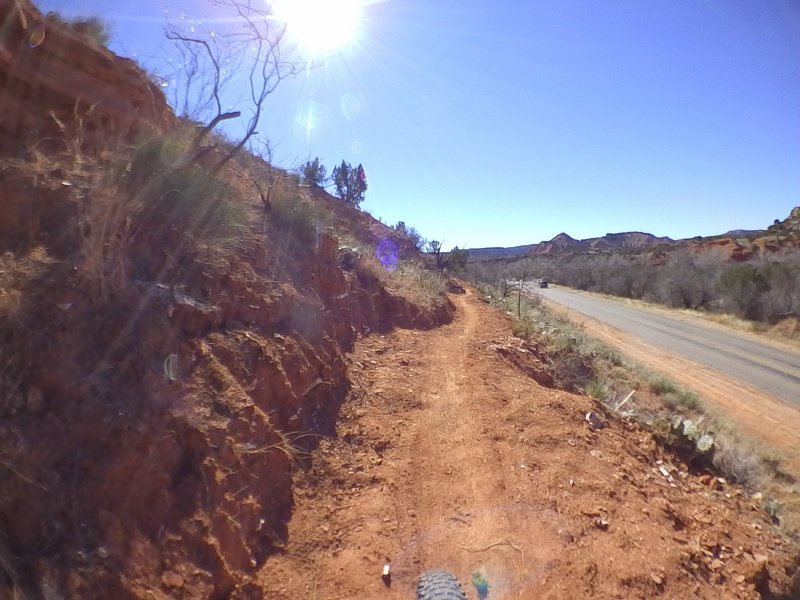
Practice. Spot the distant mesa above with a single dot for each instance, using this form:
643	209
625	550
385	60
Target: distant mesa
742	233
566	244
563	238
739	244
610	242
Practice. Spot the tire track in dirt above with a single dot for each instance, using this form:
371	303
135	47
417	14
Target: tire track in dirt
464	519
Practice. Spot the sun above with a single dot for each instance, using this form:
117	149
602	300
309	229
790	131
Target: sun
320	27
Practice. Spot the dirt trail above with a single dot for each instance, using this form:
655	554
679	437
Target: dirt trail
447	455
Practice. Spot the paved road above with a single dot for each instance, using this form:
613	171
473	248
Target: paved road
771	369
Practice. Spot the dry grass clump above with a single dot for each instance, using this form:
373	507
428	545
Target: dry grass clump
598	389
728	320
414	282
15	273
788	328
173	193
681	399
661	385
132	212
405	278
290	210
21	291
145	209
738	462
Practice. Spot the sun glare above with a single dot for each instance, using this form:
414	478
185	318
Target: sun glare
321	27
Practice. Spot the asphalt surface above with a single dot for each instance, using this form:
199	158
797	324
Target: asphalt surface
771	369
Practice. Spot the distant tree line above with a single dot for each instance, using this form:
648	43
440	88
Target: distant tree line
763	289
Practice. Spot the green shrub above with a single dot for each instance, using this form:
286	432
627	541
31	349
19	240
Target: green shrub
291	212
689	400
523	328
597	389
350	182
743	286
661	386
314	172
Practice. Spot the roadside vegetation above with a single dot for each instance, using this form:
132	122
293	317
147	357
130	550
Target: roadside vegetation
763	291
677	417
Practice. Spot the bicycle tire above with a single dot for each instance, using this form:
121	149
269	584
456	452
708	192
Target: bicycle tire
439	585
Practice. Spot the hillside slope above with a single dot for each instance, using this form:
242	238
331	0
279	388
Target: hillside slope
54	79
171	346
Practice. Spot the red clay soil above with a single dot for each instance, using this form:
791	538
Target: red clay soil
449	456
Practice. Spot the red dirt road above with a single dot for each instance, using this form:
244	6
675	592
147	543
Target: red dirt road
449	456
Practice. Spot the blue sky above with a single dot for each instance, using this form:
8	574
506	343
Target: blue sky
505	123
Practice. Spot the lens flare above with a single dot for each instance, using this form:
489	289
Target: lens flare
37	36
350	105
387	254
308	120
171	369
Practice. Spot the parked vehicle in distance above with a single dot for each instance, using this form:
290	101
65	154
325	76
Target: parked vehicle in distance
543	283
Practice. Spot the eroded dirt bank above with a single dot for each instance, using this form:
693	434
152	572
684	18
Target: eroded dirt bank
147	442
450	456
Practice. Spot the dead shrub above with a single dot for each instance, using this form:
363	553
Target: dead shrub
739	463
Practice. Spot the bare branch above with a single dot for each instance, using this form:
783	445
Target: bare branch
215	121
255	40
